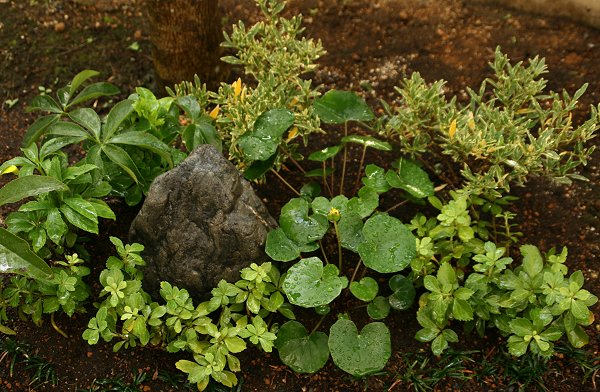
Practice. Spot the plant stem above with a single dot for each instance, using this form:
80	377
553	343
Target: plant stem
344	160
318	324
295	162
337	235
60	331
355	271
325	183
392	208
323	252
360	166
285	182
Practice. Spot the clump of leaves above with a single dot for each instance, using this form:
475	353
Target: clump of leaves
510	130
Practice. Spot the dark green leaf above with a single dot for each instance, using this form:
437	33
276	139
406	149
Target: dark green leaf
44	103
338	107
298	225
324	154
17	257
80	78
359	354
379	308
262	142
411	178
38	128
93	91
350	228
146	141
88	119
389	245
115	118
259	168
302	352
279	247
404	292
365	290
119	156
28	186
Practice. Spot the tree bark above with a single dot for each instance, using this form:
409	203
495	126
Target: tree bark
185	37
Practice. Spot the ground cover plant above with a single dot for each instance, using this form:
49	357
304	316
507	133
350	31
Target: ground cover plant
450	249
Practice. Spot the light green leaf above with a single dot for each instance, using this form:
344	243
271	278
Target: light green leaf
16	257
22	187
389	245
532	260
309	284
365	290
338	107
359	354
368	141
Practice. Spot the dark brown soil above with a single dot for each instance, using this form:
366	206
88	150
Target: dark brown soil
373	43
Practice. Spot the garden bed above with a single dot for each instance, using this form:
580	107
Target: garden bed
371	46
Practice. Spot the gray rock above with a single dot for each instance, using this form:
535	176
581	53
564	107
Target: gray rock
201	222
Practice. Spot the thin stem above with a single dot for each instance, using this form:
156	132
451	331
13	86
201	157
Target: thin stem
337	234
60	331
345	158
392	208
355	271
360	166
318	324
325	184
323	252
295	162
332	178
285	182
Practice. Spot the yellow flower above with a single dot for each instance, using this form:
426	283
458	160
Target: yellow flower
215	112
452	129
237	87
292	134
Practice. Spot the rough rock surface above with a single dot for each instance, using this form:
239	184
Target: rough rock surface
200	223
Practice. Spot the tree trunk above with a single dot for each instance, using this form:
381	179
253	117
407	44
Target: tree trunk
185	37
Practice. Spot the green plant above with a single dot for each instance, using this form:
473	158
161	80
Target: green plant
129	315
509	131
42	372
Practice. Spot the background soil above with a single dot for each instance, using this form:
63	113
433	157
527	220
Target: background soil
371	46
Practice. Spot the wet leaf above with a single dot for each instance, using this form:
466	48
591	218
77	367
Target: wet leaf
298	225
338	107
309	284
359	354
302	352
411	178
365	290
389	245
262	142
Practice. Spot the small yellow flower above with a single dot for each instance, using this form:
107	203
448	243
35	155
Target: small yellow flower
292	134
215	112
471	121
333	215
237	87
452	129
10	169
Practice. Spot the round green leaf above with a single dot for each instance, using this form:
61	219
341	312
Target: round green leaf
309	284
379	308
366	202
411	178
298	225
302	352
375	179
338	107
279	247
404	292
350	228
365	290
262	142
324	154
368	141
389	245
359	354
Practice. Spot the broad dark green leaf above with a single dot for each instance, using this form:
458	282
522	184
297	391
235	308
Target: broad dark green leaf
404	292
44	103
201	133
88	119
302	352
146	141
55	226
259	168
350	228
80	78
359	354
95	90
298	225
279	247
411	178
28	186
318	172
120	157
82	221
38	128
338	107
375	179
115	118
262	142
389	245
17	257
379	308
309	284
